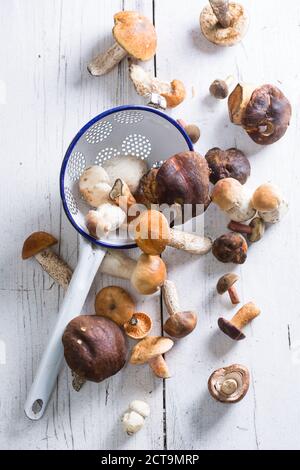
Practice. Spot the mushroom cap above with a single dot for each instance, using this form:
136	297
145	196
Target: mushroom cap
176	95
234	373
136	34
227	193
146	192
37	242
180	324
225	282
267	115
266	198
219	89
149	348
152	232
230	330
114	303
258	229
216	34
230	248
139	325
149	274
193	132
230	163
94	347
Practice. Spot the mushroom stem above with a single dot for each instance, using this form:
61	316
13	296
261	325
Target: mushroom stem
244	315
117	264
221	10
240	228
106	61
234	296
170	297
193	244
160	367
229	386
55	267
238	101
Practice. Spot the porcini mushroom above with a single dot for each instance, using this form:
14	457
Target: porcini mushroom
254	231
224	23
226	284
219	89
134	35
146	191
152	234
139	325
94	347
150	349
269	202
94	186
145	85
37	245
115	303
192	130
134	418
234	199
128	168
179	324
107	218
121	195
230	163
263	112
230	248
229	384
245	315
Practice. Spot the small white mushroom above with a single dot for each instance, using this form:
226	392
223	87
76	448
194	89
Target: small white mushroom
127	168
140	407
94	186
134	418
107	218
233	198
270	203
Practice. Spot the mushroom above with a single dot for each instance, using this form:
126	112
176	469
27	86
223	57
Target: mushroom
224	23
94	186
128	168
245	315
146	191
254	231
179	324
229	384
107	218
139	325
234	199
94	347
263	112
134	35
269	202
150	349
115	303
226	284
134	418
145	85
122	196
230	163
37	245
219	89
192	130
184	179
147	274
152	235
230	248
157	101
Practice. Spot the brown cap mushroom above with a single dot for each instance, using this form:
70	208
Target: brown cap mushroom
115	303
230	248
254	231
146	192
234	199
139	325
150	350
134	35
226	284
269	202
192	130
94	347
233	328
229	384
230	163
219	89
179	324
224	23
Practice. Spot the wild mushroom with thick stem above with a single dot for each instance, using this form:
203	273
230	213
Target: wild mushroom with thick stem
192	130
151	350
226	284
152	235
219	89
134	35
224	23
245	315
179	324
230	163
254	231
230	248
234	199
270	203
229	384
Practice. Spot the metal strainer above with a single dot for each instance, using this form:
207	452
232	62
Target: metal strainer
141	131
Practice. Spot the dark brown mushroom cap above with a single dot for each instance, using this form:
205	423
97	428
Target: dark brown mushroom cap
180	324
219	89
146	192
225	282
230	330
235	373
94	347
267	115
37	242
230	248
184	179
231	163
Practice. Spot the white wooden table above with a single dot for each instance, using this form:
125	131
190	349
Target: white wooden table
46	95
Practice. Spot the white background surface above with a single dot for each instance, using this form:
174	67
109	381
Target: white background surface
46	96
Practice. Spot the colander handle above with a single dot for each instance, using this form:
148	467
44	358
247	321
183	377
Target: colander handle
90	258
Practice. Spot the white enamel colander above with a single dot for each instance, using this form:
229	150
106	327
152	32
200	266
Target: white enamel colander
141	131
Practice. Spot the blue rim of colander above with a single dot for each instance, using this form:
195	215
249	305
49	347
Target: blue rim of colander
72	146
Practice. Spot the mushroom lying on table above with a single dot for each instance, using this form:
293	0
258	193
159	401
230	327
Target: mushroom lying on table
245	315
179	324
234	199
224	23
230	163
264	112
134	418
229	384
254	231
134	35
150	350
270	203
219	89
226	284
230	248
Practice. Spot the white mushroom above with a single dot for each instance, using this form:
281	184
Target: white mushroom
94	186
269	202
233	198
140	407
107	218
127	168
134	418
